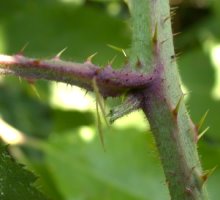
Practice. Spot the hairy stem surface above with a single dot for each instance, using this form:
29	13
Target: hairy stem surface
174	132
111	82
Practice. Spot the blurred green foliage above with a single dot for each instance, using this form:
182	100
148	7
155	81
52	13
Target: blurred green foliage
69	164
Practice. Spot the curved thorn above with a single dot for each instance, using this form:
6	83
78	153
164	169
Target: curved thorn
60	53
201	122
176	109
89	59
206	174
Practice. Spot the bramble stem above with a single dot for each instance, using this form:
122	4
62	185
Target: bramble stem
173	130
111	82
152	84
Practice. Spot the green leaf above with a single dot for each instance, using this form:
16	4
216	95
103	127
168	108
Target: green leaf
15	181
128	169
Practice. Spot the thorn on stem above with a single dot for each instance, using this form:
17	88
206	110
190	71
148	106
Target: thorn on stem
176	109
155	34
199	125
89	59
112	61
138	64
21	52
99	126
33	87
202	120
99	104
99	99
202	133
206	174
57	57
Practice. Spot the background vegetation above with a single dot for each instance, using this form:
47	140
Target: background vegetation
66	153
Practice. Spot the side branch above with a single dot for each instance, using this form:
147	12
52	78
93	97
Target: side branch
111	82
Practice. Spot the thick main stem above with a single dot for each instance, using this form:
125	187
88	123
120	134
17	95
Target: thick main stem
174	132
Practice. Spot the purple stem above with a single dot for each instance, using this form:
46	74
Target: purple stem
111	82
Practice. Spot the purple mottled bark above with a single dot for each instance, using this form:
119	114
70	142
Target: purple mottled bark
110	82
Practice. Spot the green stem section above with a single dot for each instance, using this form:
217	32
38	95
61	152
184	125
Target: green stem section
141	40
174	132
